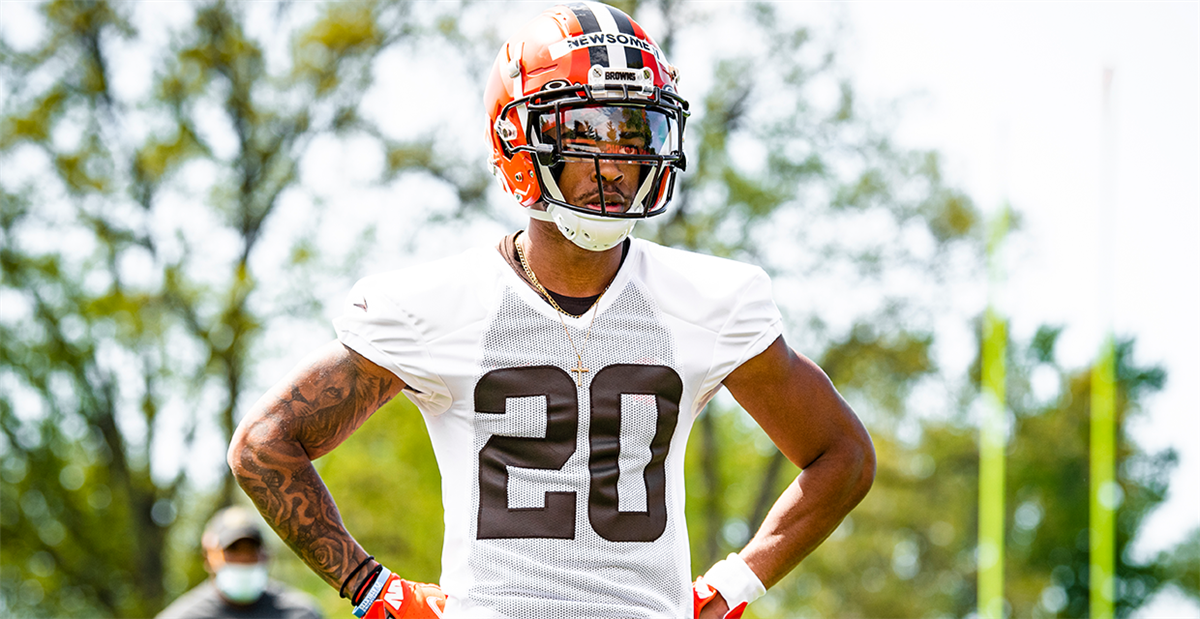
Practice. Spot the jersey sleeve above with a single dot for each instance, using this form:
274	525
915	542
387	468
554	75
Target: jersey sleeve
752	325
376	326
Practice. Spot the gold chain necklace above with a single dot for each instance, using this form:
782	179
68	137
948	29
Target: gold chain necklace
579	369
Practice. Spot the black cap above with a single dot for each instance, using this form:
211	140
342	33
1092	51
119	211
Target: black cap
230	525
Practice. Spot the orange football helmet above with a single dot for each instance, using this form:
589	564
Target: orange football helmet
582	82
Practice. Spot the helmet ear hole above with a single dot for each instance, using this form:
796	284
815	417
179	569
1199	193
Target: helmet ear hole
506	131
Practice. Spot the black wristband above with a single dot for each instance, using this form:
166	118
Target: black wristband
342	589
366	585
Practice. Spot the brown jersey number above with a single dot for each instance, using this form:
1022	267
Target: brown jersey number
556	519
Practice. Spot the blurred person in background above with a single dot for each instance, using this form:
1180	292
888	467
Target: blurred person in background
238	586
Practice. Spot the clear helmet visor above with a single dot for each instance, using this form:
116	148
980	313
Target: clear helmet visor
608	160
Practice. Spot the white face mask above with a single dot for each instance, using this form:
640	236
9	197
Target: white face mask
242	583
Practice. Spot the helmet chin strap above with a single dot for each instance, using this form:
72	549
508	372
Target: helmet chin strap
592	233
539	215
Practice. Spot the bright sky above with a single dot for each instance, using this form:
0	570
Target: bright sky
1011	93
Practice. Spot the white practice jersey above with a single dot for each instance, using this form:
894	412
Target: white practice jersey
563	489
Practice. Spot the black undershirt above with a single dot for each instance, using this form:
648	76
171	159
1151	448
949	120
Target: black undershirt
575	306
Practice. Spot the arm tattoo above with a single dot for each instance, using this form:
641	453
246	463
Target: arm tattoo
272	453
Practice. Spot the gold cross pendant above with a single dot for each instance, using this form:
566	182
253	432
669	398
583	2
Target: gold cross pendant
579	370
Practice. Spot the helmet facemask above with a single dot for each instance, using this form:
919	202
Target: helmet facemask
604	157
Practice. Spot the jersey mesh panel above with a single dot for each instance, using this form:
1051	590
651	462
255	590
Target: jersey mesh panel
587	576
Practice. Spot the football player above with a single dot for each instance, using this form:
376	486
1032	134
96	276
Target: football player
559	371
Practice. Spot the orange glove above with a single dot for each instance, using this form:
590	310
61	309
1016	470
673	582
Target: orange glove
387	596
702	594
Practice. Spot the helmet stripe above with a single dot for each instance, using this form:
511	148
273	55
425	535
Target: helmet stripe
624	24
600	18
608	25
587	21
633	57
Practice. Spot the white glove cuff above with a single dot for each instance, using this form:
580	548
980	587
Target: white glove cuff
735	581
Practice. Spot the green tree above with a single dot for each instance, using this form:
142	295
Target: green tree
1049	493
137	276
908	550
1180	566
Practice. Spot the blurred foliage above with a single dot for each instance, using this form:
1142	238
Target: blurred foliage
909	549
150	249
133	294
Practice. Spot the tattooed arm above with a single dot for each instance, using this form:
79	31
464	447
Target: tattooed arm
324	400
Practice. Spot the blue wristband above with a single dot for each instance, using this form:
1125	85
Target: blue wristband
372	593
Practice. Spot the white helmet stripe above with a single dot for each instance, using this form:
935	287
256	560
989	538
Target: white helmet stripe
637	205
